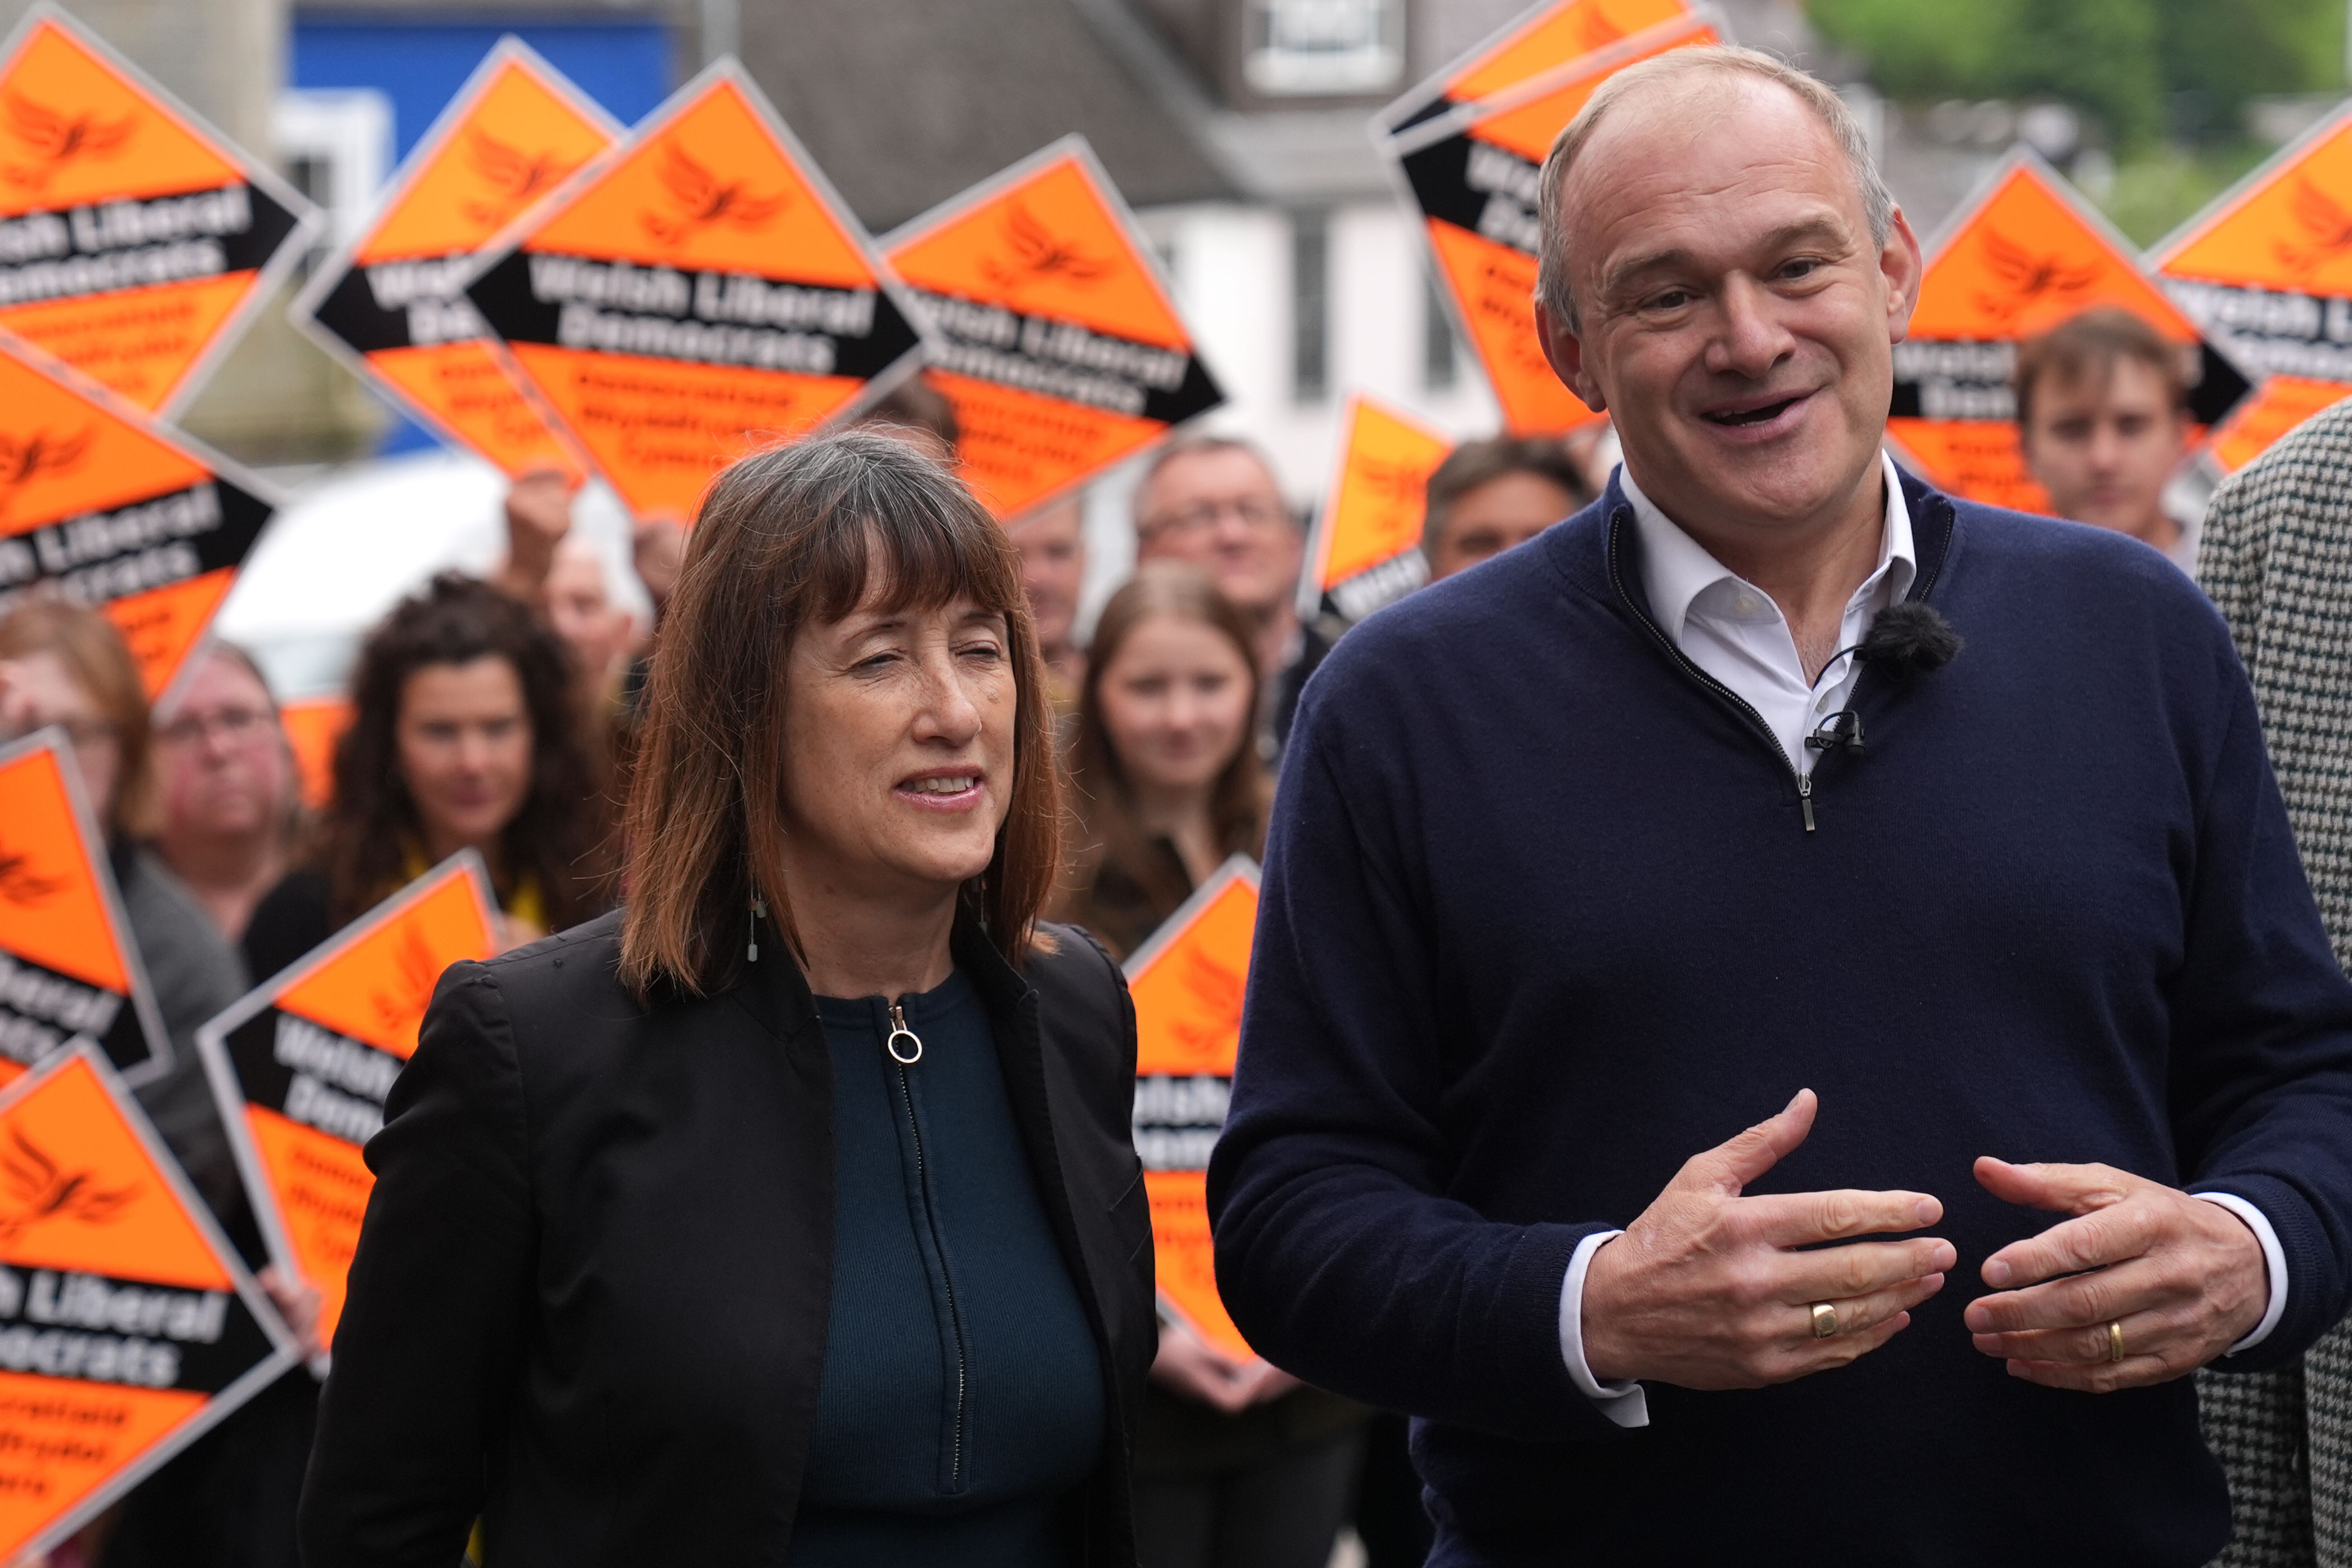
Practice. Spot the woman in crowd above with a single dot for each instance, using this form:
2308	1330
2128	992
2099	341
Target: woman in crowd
464	736
1165	785
66	665
791	1215
1236	1462
230	805
228	1500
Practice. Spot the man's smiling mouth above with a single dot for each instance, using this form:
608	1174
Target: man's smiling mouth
1761	414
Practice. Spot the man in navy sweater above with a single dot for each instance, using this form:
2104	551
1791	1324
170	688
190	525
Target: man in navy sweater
1586	856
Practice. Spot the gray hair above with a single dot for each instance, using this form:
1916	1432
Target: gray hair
1717	59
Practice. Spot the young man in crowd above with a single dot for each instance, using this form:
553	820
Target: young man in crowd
2103	417
1490	495
1213	500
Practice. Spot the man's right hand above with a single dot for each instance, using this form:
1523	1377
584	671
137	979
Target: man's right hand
1709	1290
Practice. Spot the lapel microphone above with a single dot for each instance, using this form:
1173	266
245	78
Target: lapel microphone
1906	640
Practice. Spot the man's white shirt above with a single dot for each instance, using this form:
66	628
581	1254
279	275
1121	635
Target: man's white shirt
1732	629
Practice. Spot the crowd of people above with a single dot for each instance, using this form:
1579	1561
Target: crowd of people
507	716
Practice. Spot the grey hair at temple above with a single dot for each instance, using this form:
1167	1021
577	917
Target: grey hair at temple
1552	288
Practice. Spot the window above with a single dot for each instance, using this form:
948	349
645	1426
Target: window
1310	305
336	149
1328	47
1440	352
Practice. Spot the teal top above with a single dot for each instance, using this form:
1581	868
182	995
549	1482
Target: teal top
962	1404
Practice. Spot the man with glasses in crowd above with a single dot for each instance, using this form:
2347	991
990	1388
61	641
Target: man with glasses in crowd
1213	500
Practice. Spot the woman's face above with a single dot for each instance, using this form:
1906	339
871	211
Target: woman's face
898	743
463	742
224	763
40	689
1175	701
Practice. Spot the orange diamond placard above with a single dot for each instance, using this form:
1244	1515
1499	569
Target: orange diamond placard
1542	38
134	238
392	304
2025	254
1365	551
692	294
68	968
313	726
2267	270
104	505
301	1065
128	1324
1473	176
1057	343
1188	981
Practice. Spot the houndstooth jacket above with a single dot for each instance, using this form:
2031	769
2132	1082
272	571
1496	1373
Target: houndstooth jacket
2277	559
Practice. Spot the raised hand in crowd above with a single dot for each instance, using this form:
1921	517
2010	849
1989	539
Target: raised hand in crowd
1713	1289
658	548
539	515
297	1301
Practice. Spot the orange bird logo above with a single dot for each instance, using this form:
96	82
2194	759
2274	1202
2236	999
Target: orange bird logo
40	1189
1215	990
1394	484
23	461
2327	231
22	885
704	200
514	177
55	139
401	1003
2029	278
1036	255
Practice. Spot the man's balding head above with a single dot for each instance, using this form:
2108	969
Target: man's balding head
1699	73
1724	280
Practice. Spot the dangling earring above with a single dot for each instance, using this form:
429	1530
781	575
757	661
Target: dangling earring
758	914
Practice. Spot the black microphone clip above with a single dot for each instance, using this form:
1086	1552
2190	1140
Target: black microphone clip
1843	728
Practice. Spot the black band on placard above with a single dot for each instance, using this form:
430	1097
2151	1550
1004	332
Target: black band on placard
42	1010
100	1329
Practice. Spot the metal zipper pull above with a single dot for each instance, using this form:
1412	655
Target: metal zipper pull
1805	798
898	1031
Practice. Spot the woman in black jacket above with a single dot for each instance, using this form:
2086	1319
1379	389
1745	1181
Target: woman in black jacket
791	1214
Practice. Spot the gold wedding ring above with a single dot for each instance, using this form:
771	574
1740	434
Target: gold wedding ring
2115	1341
1825	1319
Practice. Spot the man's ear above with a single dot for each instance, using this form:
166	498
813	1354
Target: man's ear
1565	349
1900	261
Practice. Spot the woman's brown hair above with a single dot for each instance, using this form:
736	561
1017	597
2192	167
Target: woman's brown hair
1110	831
789	537
100	661
369	831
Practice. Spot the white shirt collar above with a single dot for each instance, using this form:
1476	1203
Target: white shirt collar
1676	568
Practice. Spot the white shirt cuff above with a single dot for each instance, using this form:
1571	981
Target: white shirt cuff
2274	1264
1623	1402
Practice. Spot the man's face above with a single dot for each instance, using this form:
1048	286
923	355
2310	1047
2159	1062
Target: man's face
1497	516
1052	546
2103	448
1733	315
1221	510
582	613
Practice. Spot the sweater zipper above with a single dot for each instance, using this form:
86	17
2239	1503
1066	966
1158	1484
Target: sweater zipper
1797	776
904	1059
1803	781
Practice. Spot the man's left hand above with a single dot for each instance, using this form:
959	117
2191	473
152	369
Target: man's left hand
2183	1277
